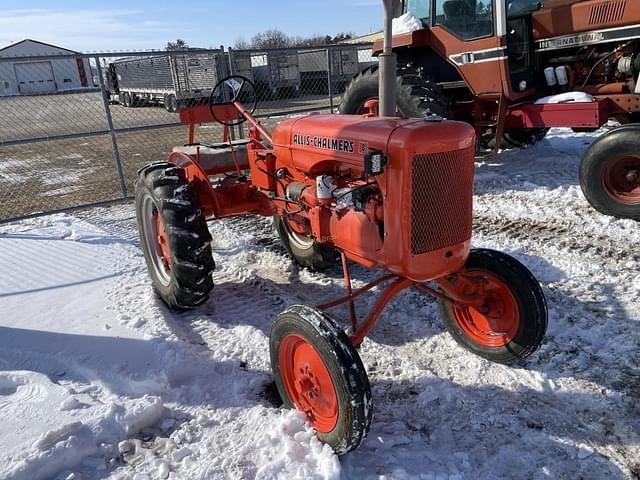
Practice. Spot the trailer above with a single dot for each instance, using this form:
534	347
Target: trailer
175	80
240	63
315	68
276	73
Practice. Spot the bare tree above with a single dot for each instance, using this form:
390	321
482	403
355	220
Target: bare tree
271	39
179	44
241	44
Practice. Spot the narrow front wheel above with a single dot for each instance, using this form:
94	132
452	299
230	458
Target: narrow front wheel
511	322
318	371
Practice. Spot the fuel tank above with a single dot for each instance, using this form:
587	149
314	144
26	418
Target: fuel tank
426	187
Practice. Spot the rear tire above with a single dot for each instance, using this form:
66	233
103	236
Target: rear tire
417	95
174	236
610	173
318	371
516	322
306	251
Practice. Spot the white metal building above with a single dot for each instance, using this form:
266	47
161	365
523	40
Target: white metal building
41	75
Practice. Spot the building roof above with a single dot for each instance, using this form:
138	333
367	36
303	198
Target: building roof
38	42
371	37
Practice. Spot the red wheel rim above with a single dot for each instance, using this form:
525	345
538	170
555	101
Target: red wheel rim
495	323
308	382
621	179
162	240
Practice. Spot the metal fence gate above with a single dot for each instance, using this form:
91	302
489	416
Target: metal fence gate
75	128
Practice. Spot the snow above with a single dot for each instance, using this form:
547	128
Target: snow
99	380
405	23
576	97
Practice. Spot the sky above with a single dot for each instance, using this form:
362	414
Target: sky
148	24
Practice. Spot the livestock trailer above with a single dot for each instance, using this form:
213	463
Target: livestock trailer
276	73
316	69
176	80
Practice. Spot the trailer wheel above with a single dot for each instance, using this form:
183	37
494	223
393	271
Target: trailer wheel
303	249
511	324
417	95
610	173
174	236
318	371
170	103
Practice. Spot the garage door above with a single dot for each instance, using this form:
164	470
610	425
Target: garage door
35	77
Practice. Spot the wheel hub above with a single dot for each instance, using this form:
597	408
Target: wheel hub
621	179
308	382
494	323
163	241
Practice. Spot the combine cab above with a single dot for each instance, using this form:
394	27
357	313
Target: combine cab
501	65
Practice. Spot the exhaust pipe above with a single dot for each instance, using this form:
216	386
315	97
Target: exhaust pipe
388	64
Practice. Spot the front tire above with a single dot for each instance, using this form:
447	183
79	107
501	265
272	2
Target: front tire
610	173
512	323
417	96
318	371
306	251
174	236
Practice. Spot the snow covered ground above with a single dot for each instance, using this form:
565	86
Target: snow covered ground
99	380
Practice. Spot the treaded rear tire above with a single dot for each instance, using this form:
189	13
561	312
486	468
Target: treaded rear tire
188	281
307	253
418	96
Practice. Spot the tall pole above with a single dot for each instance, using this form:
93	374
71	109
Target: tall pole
388	63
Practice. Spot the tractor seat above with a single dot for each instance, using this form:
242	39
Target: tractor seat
217	158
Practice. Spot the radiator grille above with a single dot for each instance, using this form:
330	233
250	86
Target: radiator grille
607	12
441	199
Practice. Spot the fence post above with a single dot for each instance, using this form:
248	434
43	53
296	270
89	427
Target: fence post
112	133
232	71
329	77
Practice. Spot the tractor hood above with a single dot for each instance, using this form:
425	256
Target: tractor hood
591	18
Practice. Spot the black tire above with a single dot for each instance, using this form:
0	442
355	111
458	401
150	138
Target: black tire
126	99
417	95
162	189
304	250
170	103
522	137
595	172
345	368
530	301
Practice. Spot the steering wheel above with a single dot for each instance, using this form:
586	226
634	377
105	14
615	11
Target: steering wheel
229	90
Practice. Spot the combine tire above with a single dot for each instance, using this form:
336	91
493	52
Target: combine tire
417	95
303	249
610	173
174	236
513	320
318	371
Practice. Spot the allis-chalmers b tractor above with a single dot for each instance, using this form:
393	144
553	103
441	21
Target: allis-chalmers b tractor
487	62
383	191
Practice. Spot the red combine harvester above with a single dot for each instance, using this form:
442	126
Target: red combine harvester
385	192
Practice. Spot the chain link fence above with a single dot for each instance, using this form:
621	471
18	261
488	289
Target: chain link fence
75	128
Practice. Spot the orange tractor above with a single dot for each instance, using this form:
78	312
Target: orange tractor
494	63
385	192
